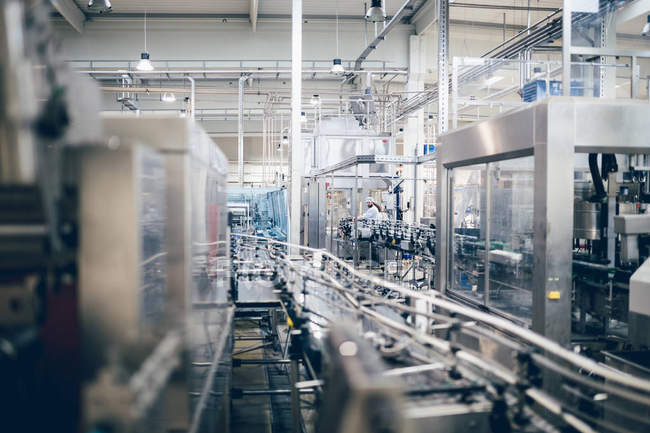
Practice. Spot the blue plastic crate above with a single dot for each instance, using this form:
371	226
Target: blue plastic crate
536	90
429	148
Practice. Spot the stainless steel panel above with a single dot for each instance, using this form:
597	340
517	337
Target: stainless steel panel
122	256
609	126
197	243
501	137
553	236
125	339
612	126
586	220
198	232
640	290
632	224
629	249
638	329
313	200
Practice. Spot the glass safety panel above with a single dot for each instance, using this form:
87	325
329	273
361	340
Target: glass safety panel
153	223
430	190
511	187
468	234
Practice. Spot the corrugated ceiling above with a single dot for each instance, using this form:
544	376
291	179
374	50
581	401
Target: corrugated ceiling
279	7
328	8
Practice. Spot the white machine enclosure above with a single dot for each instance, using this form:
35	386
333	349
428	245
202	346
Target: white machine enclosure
122	219
192	311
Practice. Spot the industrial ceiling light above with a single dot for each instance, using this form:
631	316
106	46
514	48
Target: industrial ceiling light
145	64
303	117
315	100
285	140
101	6
646	28
337	67
168	97
375	13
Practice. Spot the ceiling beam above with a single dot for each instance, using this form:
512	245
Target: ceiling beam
254	6
632	10
224	16
425	17
71	12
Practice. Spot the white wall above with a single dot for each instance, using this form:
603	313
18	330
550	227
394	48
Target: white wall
198	39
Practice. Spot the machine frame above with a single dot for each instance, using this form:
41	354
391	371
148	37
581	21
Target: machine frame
552	131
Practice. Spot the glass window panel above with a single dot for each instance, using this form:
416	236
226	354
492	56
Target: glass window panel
468	237
511	236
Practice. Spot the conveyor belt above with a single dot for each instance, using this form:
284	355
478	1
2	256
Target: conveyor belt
481	360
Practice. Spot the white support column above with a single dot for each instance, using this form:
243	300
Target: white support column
296	139
414	128
240	132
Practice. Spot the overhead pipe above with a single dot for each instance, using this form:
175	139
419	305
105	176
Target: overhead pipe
535	35
540	35
397	71
192	96
210	91
401	13
502	7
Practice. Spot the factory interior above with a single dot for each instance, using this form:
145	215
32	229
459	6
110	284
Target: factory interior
325	216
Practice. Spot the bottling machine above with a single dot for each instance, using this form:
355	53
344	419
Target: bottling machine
191	180
389	244
611	241
114	259
542	219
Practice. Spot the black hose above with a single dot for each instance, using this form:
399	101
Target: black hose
609	164
595	175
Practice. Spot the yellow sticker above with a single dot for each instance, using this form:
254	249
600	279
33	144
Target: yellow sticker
289	322
554	294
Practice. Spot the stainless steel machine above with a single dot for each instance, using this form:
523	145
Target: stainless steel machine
389	245
192	180
114	255
123	283
557	192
